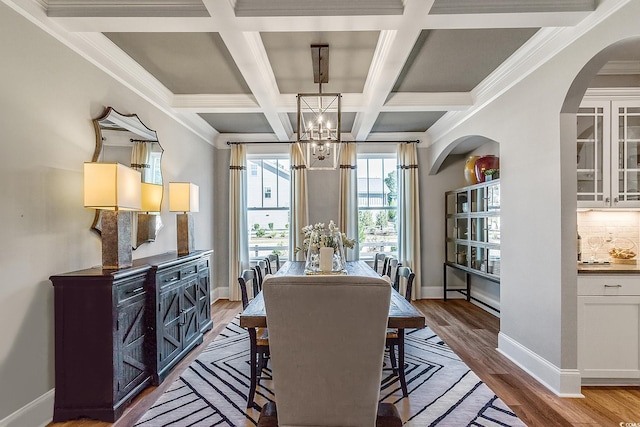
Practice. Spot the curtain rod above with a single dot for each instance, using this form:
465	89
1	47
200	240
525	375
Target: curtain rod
417	141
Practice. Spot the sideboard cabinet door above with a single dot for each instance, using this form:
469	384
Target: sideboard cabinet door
100	342
182	314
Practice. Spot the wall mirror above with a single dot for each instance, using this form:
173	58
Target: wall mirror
123	138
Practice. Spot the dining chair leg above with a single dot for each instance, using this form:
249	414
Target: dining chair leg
392	358
253	350
403	382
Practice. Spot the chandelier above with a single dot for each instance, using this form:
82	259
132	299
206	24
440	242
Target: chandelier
319	118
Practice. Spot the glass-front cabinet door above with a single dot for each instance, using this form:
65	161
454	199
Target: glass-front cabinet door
608	153
626	146
594	155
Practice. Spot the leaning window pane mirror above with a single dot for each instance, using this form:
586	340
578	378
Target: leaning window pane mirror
123	138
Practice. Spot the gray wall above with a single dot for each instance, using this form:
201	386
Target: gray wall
48	97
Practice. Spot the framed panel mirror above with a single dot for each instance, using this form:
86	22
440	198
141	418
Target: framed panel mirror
123	138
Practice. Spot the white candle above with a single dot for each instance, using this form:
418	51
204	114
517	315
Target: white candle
326	259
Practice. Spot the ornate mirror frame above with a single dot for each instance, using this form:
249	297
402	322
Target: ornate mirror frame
123	138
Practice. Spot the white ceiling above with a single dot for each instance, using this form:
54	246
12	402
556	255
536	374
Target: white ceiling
231	69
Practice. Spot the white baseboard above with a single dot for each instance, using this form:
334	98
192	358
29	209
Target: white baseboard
38	413
563	382
219	293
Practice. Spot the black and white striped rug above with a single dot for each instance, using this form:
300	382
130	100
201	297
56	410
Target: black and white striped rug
443	391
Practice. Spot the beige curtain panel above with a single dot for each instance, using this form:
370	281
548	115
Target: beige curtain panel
348	209
409	212
238	239
298	206
141	159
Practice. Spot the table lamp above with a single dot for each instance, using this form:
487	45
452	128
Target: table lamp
183	197
147	221
116	190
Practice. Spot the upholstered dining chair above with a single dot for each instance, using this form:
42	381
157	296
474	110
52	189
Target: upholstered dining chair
317	380
395	337
258	337
273	263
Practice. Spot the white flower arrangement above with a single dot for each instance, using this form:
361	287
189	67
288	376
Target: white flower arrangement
318	232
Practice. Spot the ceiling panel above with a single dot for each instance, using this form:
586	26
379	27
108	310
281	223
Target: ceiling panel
406	121
350	55
510	6
457	60
238	122
318	8
186	63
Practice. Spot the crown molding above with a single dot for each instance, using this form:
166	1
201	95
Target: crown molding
257	8
514	6
620	68
128	8
608	93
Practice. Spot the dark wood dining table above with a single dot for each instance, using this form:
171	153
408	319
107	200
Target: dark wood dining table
402	314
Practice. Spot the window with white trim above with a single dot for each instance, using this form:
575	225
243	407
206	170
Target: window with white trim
268	205
377	204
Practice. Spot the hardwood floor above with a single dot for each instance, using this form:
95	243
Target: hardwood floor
473	334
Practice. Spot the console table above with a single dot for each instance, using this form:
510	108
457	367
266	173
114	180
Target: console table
119	331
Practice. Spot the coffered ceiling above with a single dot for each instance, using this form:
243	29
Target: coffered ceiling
231	69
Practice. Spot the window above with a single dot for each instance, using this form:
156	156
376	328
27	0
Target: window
268	205
377	194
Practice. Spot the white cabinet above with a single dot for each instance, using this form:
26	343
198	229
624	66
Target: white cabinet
609	329
608	155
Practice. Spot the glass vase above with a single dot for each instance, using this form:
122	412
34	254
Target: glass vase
325	254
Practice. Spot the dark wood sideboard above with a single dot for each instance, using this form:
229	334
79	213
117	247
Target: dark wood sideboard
119	331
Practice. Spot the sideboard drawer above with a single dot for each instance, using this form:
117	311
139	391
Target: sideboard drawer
189	269
609	285
168	277
131	289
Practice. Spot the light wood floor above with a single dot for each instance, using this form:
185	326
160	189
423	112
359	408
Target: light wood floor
473	334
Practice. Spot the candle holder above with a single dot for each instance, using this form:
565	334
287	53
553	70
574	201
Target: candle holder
326	253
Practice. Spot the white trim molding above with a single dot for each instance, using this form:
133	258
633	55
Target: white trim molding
563	382
37	413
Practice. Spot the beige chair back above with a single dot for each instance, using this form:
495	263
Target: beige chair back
327	338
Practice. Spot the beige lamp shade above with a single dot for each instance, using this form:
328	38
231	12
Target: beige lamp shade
184	197
151	197
111	186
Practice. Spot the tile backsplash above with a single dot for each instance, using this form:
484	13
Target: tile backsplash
624	226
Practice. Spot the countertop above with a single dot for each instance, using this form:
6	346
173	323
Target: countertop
584	268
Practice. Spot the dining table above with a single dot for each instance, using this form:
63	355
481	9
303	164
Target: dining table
402	315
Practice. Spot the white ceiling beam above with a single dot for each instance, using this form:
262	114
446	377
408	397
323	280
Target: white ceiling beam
215	23
214	103
428	101
250	56
391	54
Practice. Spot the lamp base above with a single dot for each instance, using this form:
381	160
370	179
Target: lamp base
147	226
116	239
185	234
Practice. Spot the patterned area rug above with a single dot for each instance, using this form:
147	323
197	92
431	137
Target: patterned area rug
443	391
